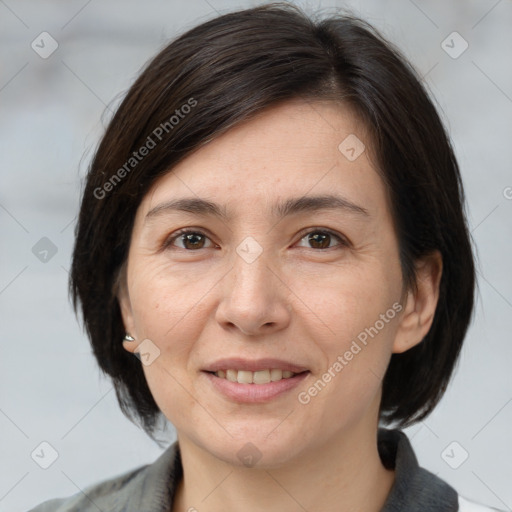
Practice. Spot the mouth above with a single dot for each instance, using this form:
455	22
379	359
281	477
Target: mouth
259	377
244	386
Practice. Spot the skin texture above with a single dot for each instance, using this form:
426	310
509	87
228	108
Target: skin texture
297	301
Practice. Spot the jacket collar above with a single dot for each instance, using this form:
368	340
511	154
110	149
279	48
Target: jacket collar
415	489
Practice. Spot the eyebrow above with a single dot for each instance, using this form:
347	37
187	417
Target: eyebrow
292	206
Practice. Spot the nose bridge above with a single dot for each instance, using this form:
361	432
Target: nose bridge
252	300
251	278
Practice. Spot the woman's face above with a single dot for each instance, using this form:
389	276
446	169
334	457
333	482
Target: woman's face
268	273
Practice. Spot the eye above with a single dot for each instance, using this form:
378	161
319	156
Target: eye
191	239
321	239
195	239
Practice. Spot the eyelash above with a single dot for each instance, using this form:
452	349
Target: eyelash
186	231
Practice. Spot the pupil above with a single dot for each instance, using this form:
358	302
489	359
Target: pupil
192	238
314	238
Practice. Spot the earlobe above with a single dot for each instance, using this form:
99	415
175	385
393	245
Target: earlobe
126	313
130	338
129	343
421	303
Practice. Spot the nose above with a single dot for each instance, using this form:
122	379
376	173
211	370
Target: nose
254	298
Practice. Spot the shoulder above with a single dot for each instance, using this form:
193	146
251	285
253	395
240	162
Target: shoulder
466	505
142	488
416	488
104	495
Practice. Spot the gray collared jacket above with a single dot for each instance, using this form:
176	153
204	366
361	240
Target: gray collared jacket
151	488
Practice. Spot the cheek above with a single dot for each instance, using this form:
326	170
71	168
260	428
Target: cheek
167	310
359	310
355	362
348	300
164	301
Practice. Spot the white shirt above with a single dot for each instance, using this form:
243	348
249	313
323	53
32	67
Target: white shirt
466	505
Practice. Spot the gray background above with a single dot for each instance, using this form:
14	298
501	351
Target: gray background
50	121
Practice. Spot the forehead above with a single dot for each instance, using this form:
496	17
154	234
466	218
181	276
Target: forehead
294	149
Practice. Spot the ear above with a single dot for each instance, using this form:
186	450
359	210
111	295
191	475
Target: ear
126	310
421	303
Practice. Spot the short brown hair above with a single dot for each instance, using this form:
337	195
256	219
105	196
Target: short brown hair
226	70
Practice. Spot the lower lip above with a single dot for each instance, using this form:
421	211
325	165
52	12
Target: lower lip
255	393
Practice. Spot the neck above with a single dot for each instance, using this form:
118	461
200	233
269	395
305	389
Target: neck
340	475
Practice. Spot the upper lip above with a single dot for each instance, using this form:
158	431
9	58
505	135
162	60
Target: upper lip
254	365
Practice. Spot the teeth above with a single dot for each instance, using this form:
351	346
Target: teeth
244	377
259	377
276	374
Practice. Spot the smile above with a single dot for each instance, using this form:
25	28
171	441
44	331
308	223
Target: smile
259	377
244	386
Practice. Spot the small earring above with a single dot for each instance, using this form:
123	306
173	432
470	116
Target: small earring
127	337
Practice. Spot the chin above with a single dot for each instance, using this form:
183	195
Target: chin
253	448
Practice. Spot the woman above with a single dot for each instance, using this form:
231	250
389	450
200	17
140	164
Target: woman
273	224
